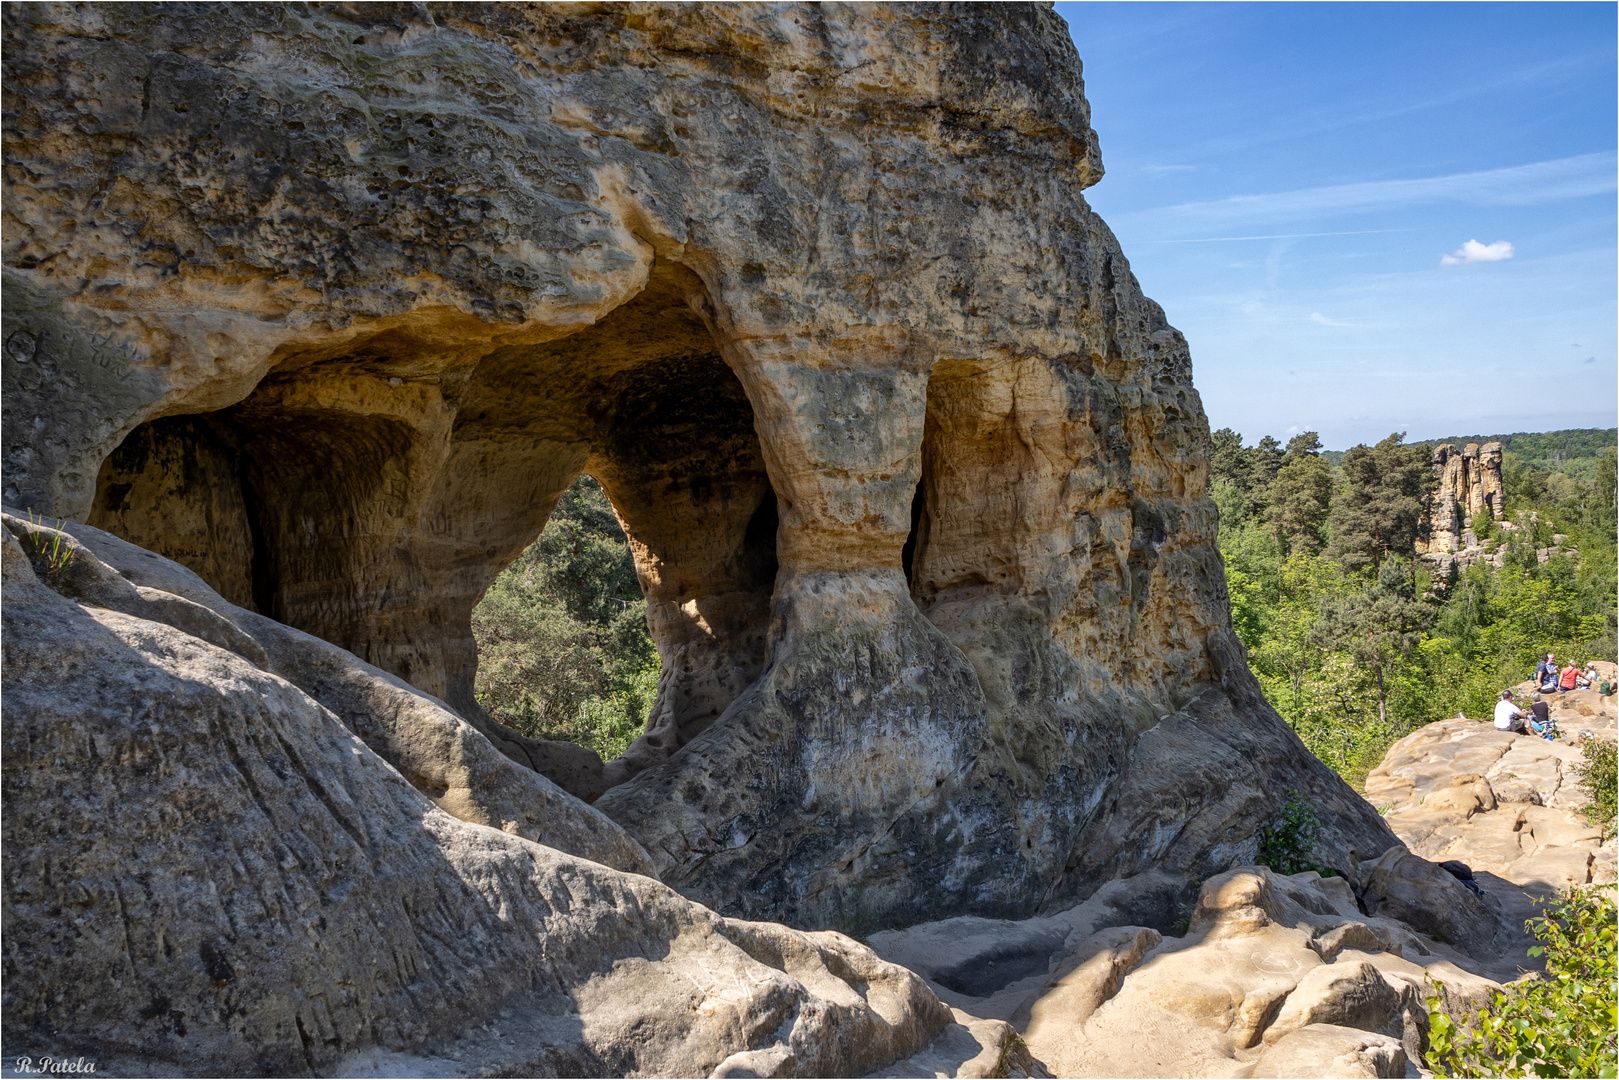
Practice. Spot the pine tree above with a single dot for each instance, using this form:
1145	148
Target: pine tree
1379	627
1300	496
1229	461
1380	513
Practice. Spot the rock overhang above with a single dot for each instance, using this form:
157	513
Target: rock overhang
867	226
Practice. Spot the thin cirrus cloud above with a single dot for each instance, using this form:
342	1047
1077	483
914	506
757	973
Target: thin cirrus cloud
1519	185
1317	317
1475	252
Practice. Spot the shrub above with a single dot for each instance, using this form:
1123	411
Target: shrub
1287	844
1483	525
1560	1024
1596	771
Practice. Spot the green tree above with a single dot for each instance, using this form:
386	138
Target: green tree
563	648
1387	489
1380	627
1300	496
1229	460
1265	461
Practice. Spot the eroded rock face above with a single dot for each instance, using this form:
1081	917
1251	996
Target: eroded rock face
1469	484
330	304
210	872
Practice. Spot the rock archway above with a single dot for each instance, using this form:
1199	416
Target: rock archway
336	314
371	499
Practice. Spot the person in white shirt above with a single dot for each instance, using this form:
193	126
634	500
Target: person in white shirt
1507	716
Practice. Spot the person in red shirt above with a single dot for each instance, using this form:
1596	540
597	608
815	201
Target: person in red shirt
1571	675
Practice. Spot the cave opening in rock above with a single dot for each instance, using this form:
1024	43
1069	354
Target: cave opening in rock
985	502
371	498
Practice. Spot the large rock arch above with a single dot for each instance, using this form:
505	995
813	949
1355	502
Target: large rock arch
408	268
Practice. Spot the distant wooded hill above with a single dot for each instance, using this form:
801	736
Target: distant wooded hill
1544	451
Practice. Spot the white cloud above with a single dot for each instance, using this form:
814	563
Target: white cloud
1317	317
1519	185
1473	251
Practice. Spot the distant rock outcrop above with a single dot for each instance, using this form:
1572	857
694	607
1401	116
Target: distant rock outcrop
1469	483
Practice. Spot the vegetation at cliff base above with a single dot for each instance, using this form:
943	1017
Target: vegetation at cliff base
563	648
1597	774
1561	1022
1287	843
1354	638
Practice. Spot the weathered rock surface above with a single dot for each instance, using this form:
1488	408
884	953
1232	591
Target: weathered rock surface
1332	1050
1469	483
331	303
432	747
1265	976
1501	807
209	872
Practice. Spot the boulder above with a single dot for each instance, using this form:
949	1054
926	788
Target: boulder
1353	994
1320	1050
970	1047
208	872
1087	977
1407	887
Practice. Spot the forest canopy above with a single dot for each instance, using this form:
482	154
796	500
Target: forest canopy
1353	636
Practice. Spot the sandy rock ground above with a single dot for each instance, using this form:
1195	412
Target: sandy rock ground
1263	975
1266	975
1505	805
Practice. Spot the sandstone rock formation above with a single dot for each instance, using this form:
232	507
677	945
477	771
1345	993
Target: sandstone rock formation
210	871
1469	484
1265	975
329	304
1501	808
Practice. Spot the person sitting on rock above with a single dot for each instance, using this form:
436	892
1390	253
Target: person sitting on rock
1546	673
1507	716
1588	678
1540	718
1570	677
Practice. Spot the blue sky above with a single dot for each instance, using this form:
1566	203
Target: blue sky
1369	217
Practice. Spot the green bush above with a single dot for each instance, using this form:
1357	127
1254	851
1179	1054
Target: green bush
1560	1024
1596	771
1287	844
1483	525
